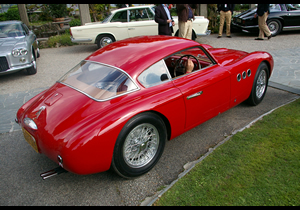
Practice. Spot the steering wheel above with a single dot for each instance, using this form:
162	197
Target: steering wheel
180	67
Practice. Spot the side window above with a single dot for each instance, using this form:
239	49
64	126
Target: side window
155	75
138	15
25	29
120	17
275	7
176	63
150	14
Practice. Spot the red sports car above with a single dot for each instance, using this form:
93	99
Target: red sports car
119	106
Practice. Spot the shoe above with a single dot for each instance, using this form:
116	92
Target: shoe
229	36
269	37
259	39
219	37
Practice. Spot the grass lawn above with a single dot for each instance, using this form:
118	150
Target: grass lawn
258	166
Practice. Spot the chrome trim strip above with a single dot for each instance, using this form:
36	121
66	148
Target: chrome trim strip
80	40
290	28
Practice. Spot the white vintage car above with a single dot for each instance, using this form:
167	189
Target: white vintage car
129	22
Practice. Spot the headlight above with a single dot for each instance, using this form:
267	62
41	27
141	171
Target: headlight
19	52
30	123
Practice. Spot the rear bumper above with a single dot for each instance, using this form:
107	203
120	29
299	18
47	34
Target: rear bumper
207	32
80	40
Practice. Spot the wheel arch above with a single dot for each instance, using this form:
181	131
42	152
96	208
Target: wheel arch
105	33
163	118
166	122
269	67
194	35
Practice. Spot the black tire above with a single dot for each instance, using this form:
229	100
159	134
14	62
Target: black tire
274	26
33	69
147	146
194	36
260	85
105	39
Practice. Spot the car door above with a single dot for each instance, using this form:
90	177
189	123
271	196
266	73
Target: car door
206	93
292	17
119	25
141	22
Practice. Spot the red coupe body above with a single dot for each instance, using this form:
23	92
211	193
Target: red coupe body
78	129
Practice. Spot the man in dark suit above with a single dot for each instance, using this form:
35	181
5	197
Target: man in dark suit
164	19
262	12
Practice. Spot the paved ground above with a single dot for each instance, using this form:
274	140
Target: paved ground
20	183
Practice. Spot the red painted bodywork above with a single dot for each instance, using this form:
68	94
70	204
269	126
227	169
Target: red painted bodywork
83	131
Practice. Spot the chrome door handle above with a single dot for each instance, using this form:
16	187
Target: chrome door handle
131	28
195	95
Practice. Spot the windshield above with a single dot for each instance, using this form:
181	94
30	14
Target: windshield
11	30
107	18
98	81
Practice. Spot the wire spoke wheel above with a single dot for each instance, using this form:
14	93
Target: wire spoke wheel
141	145
261	83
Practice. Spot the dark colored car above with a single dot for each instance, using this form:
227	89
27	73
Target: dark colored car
282	17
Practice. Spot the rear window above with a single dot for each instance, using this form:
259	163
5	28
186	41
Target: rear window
99	81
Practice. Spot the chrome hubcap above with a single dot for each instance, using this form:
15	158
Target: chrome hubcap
261	84
273	27
105	41
141	145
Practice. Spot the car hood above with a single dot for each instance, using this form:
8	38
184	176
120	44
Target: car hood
246	14
7	44
226	56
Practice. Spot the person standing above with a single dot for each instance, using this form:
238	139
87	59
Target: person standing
164	19
226	11
185	19
262	12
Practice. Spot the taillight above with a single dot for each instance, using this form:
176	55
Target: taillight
71	32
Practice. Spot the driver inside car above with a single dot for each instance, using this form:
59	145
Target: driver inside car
189	66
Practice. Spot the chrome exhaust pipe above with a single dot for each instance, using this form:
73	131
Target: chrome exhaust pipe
52	172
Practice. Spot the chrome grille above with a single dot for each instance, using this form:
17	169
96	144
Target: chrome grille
3	64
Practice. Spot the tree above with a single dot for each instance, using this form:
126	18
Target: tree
23	14
84	13
99	11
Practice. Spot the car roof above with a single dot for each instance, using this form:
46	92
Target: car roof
134	55
134	7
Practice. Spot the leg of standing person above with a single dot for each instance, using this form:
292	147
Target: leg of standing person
260	26
228	22
222	19
265	26
189	29
182	29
